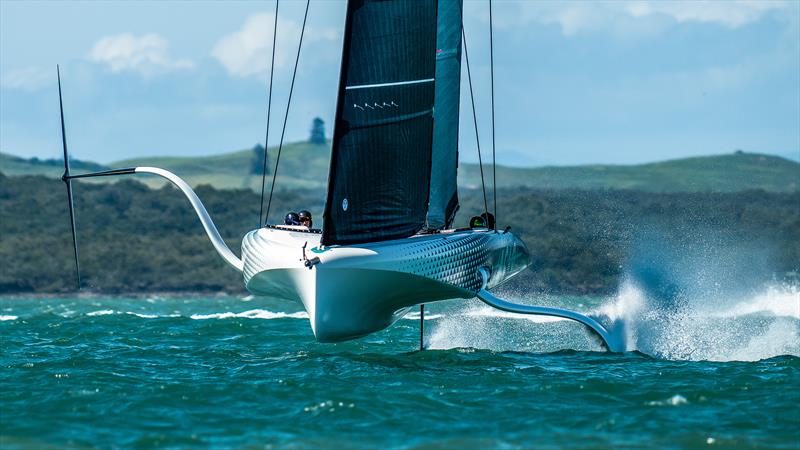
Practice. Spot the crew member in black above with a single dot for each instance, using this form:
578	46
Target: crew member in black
305	218
291	219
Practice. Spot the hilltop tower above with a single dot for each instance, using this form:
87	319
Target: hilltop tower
257	161
317	131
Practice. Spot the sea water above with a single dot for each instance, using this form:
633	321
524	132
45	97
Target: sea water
233	372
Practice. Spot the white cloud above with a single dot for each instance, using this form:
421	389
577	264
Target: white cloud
147	54
28	79
620	17
247	51
731	13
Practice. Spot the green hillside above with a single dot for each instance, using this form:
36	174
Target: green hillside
718	173
305	165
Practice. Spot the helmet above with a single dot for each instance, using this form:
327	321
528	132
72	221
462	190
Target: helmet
305	218
477	222
291	219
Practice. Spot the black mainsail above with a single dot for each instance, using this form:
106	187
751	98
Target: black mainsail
381	164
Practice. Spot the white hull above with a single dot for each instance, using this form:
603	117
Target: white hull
360	289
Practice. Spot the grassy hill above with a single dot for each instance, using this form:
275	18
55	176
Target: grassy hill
305	165
718	173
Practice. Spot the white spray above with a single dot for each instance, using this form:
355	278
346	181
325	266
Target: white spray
699	296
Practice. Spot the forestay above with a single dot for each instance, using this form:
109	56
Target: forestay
379	179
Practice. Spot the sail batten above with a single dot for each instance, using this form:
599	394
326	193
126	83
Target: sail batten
396	83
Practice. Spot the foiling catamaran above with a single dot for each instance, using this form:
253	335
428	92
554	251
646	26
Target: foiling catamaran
387	242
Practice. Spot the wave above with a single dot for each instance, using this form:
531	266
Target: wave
151	316
675	400
252	314
480	326
780	301
428	316
488	311
109	312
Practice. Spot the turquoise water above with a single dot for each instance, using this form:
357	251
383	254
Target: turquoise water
194	372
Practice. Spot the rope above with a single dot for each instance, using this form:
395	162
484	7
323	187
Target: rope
491	66
269	110
475	120
288	103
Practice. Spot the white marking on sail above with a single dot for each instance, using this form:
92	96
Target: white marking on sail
398	83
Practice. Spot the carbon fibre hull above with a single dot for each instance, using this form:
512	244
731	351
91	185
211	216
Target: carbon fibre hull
351	291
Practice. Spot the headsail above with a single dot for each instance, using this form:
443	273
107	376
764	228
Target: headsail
379	179
443	202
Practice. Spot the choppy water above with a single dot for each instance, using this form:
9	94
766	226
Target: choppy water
232	372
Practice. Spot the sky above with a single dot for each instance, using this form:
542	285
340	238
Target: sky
575	82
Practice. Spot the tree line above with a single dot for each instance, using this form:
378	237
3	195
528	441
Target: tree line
136	239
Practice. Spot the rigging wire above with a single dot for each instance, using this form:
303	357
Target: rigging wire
475	121
286	116
491	66
269	111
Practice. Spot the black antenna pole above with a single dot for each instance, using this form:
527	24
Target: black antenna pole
67	179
